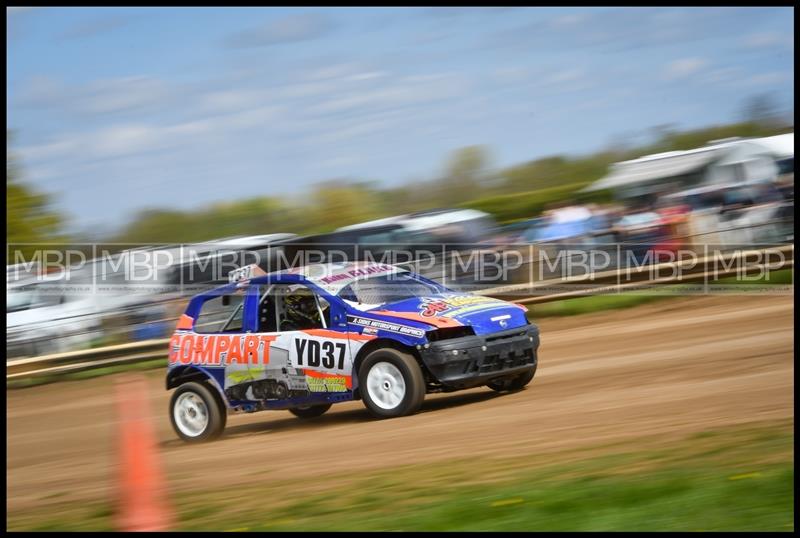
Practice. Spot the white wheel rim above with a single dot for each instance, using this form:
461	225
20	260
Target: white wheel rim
385	385
191	414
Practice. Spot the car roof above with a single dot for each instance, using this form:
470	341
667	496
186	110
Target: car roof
331	277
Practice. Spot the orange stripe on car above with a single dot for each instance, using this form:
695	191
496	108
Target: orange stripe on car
185	322
440	322
326	333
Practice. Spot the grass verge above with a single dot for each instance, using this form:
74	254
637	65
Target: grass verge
729	479
85	374
614	301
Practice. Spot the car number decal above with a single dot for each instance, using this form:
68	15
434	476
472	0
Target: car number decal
314	353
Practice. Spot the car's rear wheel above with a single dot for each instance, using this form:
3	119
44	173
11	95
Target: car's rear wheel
511	384
391	383
196	413
310	411
281	391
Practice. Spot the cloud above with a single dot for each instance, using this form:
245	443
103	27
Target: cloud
329	71
122	94
723	75
42	91
768	40
231	100
568	75
124	139
409	90
624	29
771	79
289	29
99	97
44	152
428	37
95	26
683	68
455	12
510	75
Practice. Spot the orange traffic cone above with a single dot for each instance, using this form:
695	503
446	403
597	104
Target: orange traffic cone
143	505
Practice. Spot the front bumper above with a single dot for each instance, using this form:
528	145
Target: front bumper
472	361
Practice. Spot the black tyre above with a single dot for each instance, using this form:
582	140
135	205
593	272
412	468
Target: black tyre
281	391
197	414
391	383
310	411
512	384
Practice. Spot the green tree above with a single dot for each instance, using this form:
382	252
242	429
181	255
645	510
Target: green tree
339	203
466	176
154	226
29	215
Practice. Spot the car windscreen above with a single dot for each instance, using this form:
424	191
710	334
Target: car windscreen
382	289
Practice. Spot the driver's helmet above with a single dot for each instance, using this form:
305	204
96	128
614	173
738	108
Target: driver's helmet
301	304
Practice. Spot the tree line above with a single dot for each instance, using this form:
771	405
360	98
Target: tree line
468	179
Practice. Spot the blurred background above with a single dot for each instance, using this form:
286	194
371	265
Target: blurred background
204	139
228	131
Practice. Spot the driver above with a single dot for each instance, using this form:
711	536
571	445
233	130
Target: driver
301	313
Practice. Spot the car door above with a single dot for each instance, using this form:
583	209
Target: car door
307	357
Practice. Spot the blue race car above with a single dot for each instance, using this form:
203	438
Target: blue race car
306	338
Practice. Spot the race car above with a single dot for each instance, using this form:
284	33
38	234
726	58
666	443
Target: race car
305	338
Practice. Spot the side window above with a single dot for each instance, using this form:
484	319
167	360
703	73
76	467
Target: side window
292	307
268	310
221	314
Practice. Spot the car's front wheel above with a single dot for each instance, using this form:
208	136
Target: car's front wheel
391	383
514	383
196	413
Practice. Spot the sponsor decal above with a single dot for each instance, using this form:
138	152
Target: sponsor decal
456	305
322	382
246	273
327	333
361	271
502	320
374	325
219	349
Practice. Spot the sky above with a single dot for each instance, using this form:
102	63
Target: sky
115	110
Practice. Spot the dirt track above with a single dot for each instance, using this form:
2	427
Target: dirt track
669	368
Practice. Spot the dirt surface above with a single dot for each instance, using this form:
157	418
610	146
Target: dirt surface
670	368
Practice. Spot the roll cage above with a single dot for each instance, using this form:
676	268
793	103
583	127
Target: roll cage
262	283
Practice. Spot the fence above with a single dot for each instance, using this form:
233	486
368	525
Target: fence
706	268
